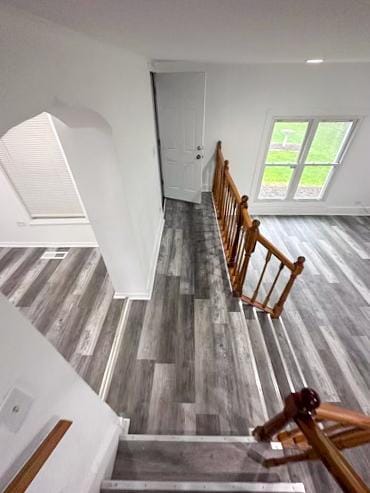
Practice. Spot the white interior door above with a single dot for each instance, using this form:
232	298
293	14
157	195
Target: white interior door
180	103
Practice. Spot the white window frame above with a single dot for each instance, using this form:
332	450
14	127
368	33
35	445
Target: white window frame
298	167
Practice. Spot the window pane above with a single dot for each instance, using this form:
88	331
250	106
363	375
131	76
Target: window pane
286	142
313	181
328	141
275	182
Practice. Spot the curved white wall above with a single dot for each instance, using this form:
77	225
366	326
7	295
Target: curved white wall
43	65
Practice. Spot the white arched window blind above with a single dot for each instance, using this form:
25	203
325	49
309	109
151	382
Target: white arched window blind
32	158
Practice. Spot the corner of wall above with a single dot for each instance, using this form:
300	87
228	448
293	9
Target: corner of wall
147	294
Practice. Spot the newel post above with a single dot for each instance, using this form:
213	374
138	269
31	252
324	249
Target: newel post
217	173
239	222
297	404
298	268
251	237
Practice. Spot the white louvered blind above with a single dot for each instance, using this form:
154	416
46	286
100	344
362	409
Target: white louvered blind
31	157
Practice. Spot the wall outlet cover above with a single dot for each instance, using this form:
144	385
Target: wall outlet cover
14	409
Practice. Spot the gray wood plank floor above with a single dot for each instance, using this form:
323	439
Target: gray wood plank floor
185	364
190	362
70	301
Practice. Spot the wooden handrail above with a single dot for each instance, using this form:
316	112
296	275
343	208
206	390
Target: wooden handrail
331	412
29	471
276	252
240	235
319	443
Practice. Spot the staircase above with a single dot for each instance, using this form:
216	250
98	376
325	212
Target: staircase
260	274
195	464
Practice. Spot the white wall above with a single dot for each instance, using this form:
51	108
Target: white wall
29	362
241	101
44	64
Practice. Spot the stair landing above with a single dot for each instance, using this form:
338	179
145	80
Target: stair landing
194	463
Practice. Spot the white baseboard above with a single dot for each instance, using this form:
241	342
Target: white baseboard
144	295
45	244
309	209
147	294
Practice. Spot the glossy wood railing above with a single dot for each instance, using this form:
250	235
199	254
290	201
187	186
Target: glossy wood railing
31	468
240	236
323	430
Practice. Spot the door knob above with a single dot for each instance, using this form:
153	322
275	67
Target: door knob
198	156
199	148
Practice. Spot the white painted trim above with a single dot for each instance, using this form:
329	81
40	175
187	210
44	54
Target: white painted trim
111	363
121	485
139	295
56	221
67	244
254	364
125	425
102	466
147	294
282	358
188	438
268	359
290	345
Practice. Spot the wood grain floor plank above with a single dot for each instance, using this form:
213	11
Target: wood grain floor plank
98	361
17	276
162	417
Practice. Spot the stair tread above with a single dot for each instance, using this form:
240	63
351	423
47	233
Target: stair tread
189	461
121	486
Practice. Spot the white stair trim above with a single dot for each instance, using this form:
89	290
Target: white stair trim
189	438
120	485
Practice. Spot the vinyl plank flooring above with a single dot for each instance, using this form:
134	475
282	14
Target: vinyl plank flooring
98	361
69	300
190	363
20	272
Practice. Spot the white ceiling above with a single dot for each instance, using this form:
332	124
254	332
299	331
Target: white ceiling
220	30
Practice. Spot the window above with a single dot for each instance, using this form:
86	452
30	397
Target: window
302	157
34	162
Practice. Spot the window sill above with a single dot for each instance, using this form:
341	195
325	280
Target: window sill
58	221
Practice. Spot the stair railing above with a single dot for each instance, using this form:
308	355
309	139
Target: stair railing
240	236
31	468
323	430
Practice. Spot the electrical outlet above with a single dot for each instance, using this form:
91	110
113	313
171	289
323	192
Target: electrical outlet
14	409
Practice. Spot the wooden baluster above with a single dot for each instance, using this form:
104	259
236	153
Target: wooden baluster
239	222
223	193
216	176
298	268
238	260
249	246
233	226
225	226
268	258
220	189
268	296
333	460
303	402
300	407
